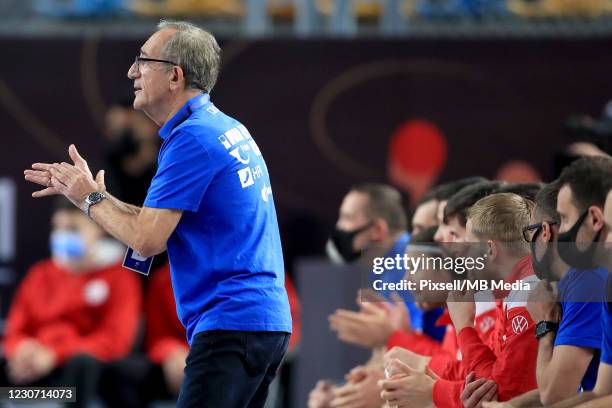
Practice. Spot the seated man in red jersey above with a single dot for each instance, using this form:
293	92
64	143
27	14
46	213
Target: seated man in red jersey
71	312
506	360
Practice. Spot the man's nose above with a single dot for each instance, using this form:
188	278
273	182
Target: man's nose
132	71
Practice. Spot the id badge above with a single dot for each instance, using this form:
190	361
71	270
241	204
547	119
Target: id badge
134	261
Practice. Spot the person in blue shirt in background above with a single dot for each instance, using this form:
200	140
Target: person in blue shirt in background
569	336
211	205
578	231
372	223
586	189
604	387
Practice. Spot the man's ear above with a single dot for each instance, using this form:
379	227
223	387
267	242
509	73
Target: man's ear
177	79
493	252
546	232
597	218
380	230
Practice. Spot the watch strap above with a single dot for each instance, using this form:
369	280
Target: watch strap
91	200
544	327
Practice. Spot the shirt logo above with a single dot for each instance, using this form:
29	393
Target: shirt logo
246	177
96	292
231	138
519	324
266	191
236	154
486	324
239	144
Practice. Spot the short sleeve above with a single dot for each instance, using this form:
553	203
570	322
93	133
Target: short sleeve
184	172
606	343
580	325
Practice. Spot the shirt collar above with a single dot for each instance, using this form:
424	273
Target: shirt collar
522	269
179	117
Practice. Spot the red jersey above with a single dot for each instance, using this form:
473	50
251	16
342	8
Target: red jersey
93	312
164	331
510	357
447	364
445	353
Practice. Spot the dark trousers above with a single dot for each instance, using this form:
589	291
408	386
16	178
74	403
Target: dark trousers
231	369
133	382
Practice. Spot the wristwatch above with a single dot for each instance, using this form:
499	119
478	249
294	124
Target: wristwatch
545	326
92	199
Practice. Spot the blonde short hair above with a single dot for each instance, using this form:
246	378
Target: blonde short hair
501	217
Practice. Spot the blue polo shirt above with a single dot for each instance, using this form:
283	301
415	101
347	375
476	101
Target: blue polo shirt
225	254
580	296
606	342
606	325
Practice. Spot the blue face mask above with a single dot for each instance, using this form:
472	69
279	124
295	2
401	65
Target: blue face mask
67	246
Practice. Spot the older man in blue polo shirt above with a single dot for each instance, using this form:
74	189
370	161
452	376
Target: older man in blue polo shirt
210	204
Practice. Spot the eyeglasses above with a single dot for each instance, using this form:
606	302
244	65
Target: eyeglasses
530	232
140	59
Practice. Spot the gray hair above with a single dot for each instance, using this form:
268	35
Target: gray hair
196	51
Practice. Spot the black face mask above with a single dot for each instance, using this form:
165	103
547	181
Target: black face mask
543	267
343	241
570	253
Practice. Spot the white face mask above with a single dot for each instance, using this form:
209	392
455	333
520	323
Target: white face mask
107	251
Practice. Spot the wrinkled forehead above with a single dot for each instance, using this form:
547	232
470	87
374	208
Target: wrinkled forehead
153	46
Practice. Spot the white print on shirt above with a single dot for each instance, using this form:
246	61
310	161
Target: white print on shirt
518	299
236	153
486	324
246	177
231	137
241	143
266	192
257	172
519	324
96	292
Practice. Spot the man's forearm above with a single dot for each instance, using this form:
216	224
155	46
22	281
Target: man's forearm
529	399
575	400
125	207
546	346
118	219
601	402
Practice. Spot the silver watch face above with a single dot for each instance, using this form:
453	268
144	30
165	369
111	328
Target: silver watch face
94	197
